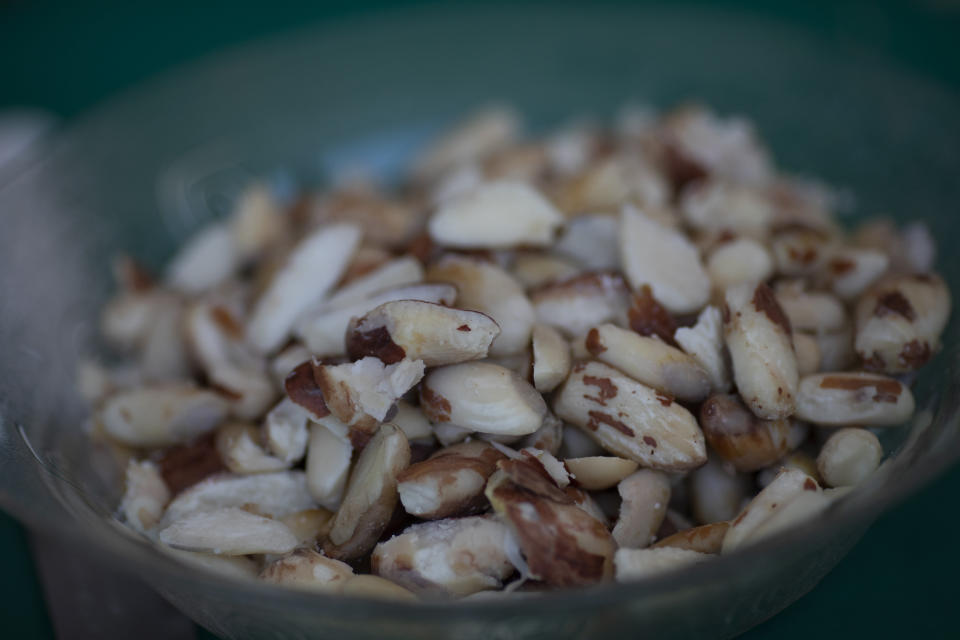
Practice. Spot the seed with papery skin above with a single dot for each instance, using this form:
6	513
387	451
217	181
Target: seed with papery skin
488	288
371	495
450	482
453	557
842	399
650	361
435	334
899	322
551	358
629	419
738	436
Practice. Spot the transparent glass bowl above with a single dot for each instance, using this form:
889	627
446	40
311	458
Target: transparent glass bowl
140	173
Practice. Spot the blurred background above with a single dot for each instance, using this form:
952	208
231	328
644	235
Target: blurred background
59	59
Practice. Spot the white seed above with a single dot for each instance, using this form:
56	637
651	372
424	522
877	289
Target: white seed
575	305
412	422
649	361
533	270
216	342
704	342
636	564
817	312
161	415
425	331
488	288
285	431
716	492
645	497
629	419
551	358
395	273
848	457
448	434
836	349
592	241
716	205
272	494
665	259
482	397
257	223
799	460
323	329
595	473
308	525
456	182
807	349
843	399
450	482
781	505
163	353
452	557
371	495
764	363
206	260
238	445
145	495
899	322
852	271
362	393
482	133
311	270
496	215
328	465
230	531
739	261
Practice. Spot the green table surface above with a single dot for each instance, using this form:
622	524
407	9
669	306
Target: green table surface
67	56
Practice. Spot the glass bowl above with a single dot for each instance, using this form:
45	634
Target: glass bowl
141	172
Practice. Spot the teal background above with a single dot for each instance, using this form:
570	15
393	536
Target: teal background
66	57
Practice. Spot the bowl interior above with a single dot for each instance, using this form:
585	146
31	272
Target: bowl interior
141	173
